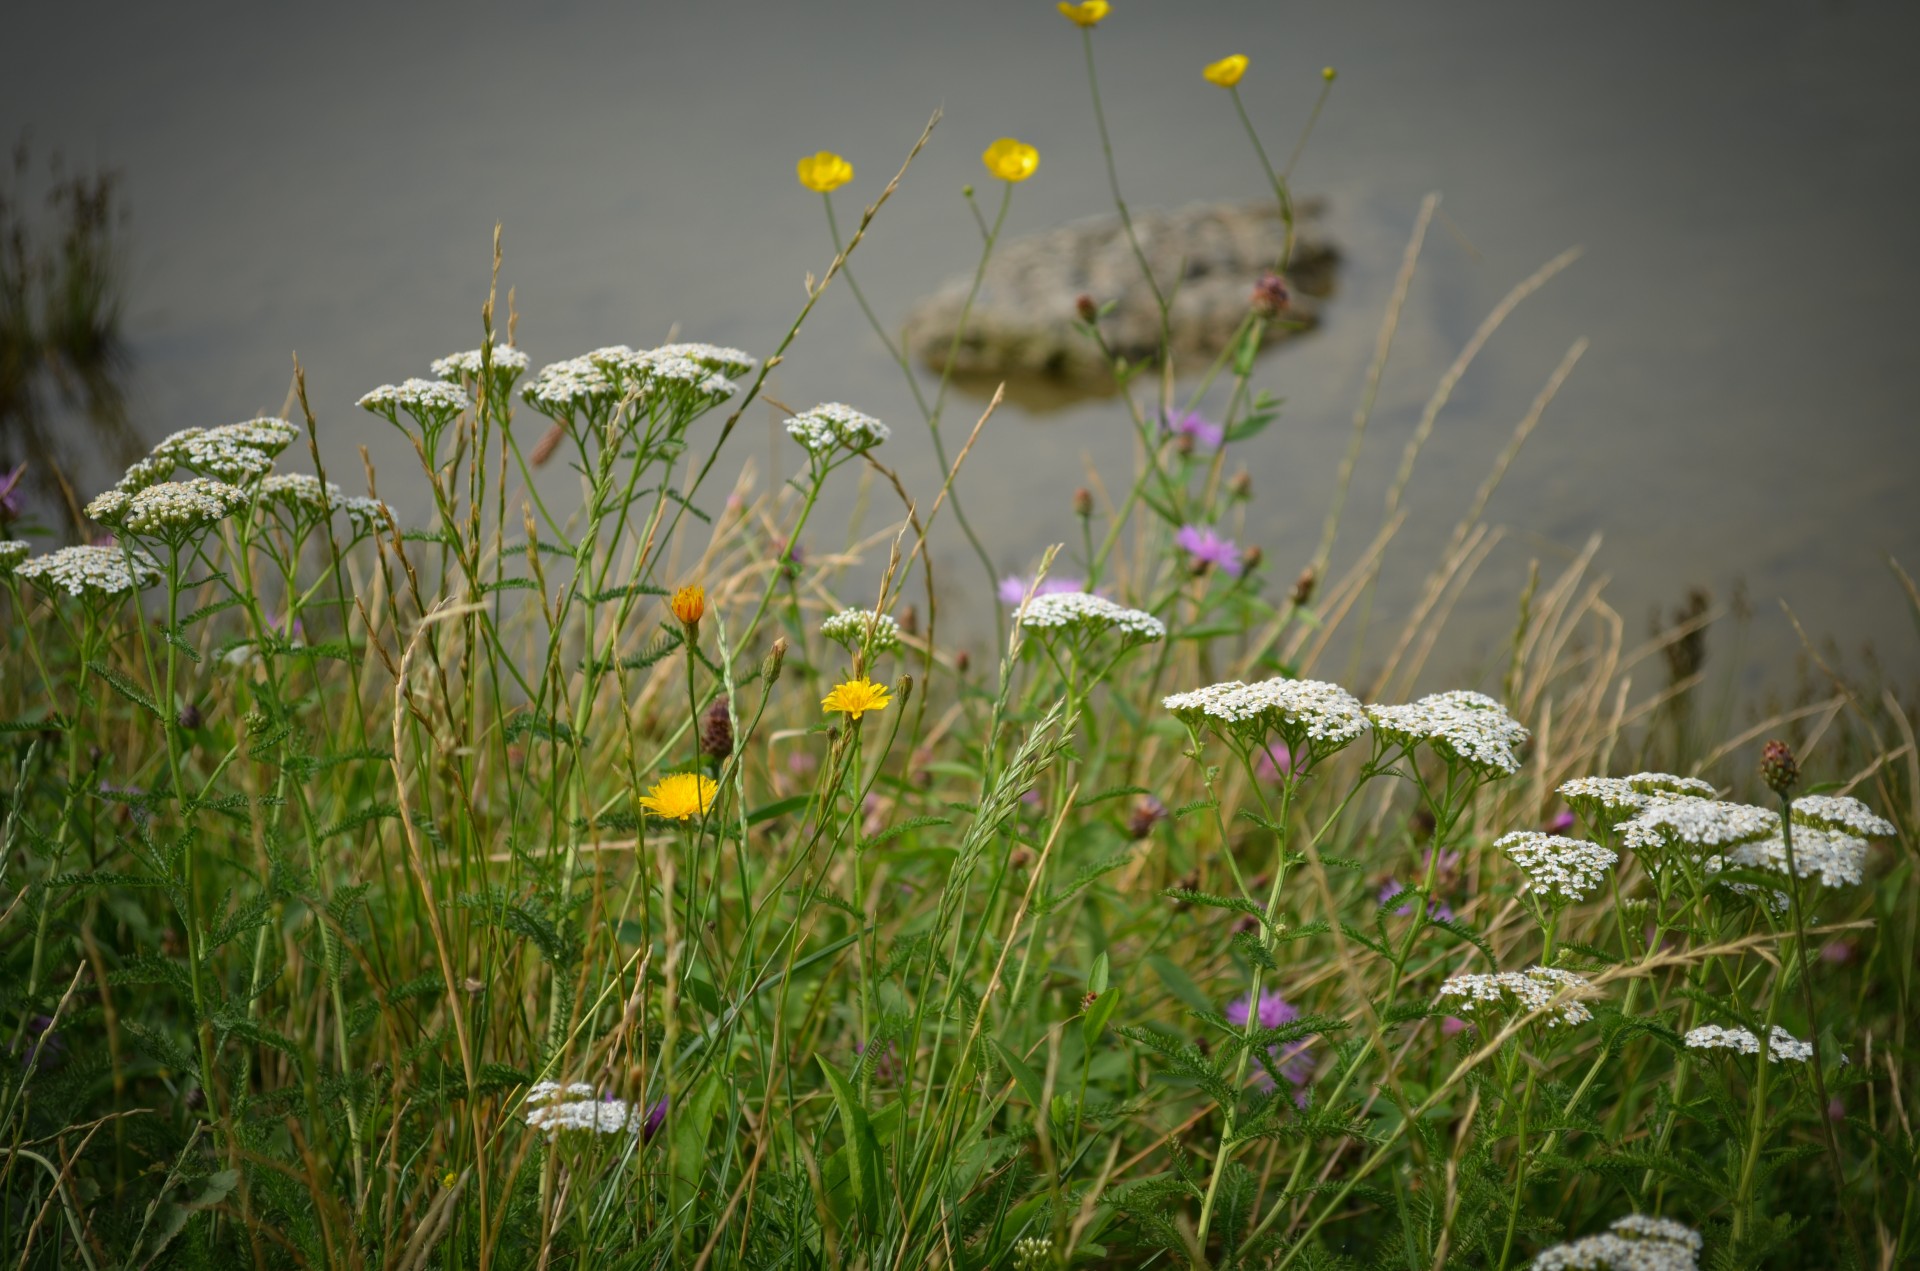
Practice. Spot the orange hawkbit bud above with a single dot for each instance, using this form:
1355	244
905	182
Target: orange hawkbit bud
690	605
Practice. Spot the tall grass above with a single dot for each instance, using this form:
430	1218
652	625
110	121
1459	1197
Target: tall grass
351	915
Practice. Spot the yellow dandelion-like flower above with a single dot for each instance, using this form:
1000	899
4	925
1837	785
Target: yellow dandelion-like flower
824	172
681	796
1227	71
1012	160
856	697
1086	13
690	605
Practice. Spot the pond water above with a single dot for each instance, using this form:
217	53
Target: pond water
325	180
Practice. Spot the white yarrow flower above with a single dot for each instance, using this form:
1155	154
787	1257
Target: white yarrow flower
1634	1243
1533	989
857	627
92	571
1676	824
12	552
1561	869
1609	799
832	425
715	357
169	510
1464	726
1839	812
1082	612
428	401
1309	714
1836	857
507	361
554	1107
1714	1037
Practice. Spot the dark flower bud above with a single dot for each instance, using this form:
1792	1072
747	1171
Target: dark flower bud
1086	1002
1270	295
1778	768
1251	558
1247	922
1183	443
904	689
1089	311
1147	813
716	732
1241	485
910	621
1083	503
770	668
1303	586
189	717
962	662
1020	857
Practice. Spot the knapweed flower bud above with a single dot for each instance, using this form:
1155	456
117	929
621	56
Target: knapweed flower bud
910	621
962	662
1020	857
1303	586
1183	443
716	733
1240	486
1778	768
770	668
1089	311
1147	813
1251	558
189	717
904	689
1270	295
1083	503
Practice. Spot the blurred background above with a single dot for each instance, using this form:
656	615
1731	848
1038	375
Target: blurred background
1742	176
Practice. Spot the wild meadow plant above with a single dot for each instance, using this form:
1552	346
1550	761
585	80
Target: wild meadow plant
611	883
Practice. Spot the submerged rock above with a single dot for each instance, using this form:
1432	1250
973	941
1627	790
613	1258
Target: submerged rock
1207	258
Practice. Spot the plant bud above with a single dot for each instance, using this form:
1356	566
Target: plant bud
1303	587
962	662
904	689
1251	558
1778	768
770	668
1147	813
189	717
1241	485
1270	295
1184	443
910	621
1083	503
1089	312
1020	857
716	733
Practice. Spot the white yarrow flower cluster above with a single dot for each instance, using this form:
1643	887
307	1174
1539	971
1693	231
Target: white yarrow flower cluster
832	425
507	360
1780	1045
269	434
426	400
1698	824
12	552
1307	713
564	387
1609	799
170	509
554	1107
302	490
1840	813
1634	1243
1530	990
1561	869
715	357
1836	857
857	627
92	571
1084	612
657	373
1032	1253
1461	725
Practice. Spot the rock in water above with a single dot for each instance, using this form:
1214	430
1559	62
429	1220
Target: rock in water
1207	257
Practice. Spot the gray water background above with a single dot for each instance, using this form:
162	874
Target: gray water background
326	179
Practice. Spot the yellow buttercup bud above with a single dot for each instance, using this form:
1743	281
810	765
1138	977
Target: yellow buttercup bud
1227	71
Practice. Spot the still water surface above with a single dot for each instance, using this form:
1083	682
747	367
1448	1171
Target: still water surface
1742	176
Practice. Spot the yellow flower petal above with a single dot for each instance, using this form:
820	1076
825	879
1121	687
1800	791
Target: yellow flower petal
1086	13
682	796
1227	71
690	605
824	171
856	697
1011	160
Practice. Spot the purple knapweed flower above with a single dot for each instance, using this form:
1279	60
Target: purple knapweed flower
1562	822
10	495
1291	1060
1275	762
655	1118
1013	588
1453	1025
1208	549
1197	426
1438	909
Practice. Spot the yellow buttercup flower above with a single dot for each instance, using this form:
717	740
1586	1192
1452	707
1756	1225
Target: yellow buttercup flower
856	697
1086	13
690	605
1227	71
1012	160
824	171
681	796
